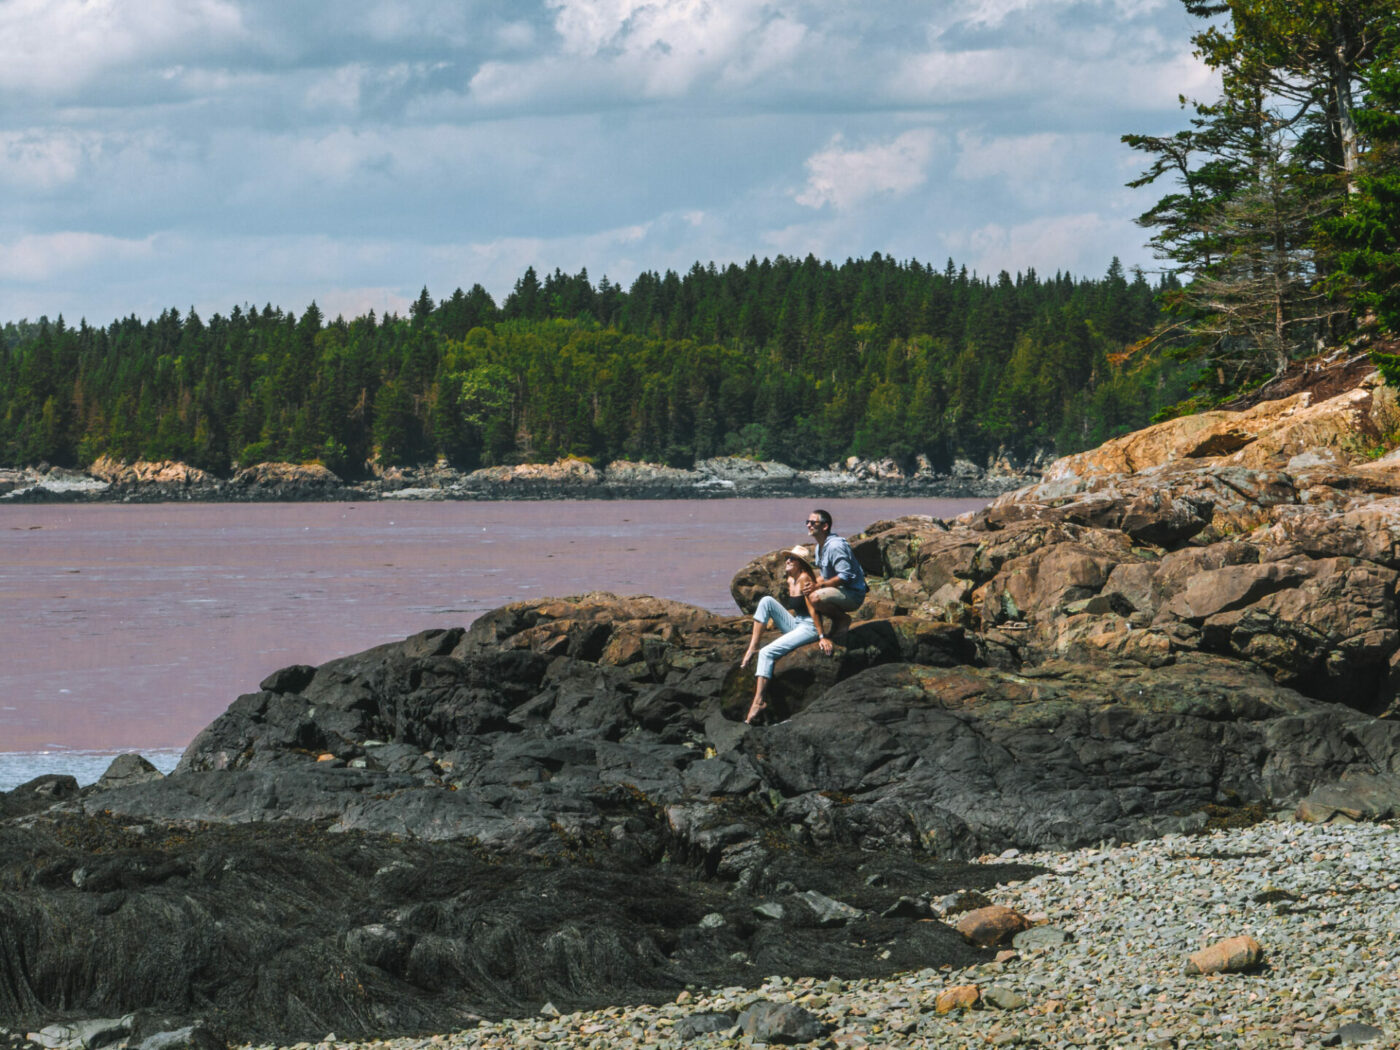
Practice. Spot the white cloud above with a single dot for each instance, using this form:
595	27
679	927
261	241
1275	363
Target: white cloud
1038	171
1078	243
665	46
1009	156
516	36
42	159
337	89
221	151
1075	85
844	177
39	257
944	77
994	14
991	13
57	46
356	302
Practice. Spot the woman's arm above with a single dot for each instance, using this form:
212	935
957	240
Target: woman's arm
812	609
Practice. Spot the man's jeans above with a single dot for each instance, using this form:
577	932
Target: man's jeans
797	632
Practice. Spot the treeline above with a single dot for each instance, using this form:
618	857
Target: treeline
796	360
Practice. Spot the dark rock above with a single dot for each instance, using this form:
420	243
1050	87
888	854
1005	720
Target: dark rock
1004	998
962	902
1040	937
128	769
50	786
908	908
40	793
829	912
1353	1033
91	1034
288	680
197	1036
1356	796
784	1023
692	1026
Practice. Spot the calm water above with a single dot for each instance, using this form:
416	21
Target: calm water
132	627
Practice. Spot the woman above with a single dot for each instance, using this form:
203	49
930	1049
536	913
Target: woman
793	616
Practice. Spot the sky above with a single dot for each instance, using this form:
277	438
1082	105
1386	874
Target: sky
212	153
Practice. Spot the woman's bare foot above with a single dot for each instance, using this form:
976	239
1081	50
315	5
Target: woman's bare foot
755	709
745	661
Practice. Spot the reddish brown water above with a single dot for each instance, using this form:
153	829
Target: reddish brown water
132	627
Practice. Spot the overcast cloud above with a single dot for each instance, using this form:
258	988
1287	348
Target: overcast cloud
209	153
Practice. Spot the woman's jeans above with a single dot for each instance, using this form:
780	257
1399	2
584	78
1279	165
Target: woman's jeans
797	632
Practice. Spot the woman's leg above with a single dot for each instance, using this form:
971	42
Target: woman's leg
803	632
760	687
768	609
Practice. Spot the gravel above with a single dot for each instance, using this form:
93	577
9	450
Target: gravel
1322	900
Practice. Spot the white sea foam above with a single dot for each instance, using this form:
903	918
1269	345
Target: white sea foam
19	767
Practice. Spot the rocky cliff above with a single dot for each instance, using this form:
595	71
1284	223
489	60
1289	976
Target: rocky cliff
1195	624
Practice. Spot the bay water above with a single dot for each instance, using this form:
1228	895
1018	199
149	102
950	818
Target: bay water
131	627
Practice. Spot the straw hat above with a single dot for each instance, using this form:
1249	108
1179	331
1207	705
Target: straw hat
802	554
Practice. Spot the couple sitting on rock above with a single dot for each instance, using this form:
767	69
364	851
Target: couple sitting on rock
827	581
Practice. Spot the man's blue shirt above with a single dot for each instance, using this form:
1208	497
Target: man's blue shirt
835	558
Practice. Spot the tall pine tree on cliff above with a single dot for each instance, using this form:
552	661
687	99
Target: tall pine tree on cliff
1368	231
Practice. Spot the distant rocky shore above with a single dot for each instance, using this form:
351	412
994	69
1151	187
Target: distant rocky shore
1193	628
110	481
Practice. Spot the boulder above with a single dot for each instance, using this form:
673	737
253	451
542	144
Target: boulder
144	472
128	769
279	474
1232	955
958	997
992	926
783	1023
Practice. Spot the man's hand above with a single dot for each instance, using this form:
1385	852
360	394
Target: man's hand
807	586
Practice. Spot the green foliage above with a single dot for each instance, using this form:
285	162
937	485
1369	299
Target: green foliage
788	359
1258	177
1366	234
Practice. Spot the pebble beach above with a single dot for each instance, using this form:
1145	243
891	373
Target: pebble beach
1322	900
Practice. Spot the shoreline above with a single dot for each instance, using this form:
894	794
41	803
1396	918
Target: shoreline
1317	898
721	478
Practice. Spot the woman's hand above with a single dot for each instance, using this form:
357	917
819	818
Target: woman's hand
825	645
748	655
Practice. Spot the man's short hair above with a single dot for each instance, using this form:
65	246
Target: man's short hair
826	518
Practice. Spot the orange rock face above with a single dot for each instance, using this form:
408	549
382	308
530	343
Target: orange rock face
1267	435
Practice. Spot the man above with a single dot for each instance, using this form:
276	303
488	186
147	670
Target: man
840	587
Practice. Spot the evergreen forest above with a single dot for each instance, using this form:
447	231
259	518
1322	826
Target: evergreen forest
1277	228
795	360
